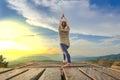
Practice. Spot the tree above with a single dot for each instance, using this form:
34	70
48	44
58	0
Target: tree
3	63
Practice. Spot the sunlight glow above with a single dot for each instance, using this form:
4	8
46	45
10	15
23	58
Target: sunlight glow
17	40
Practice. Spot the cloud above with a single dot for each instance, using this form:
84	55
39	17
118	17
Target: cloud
7	44
82	19
32	15
85	20
88	48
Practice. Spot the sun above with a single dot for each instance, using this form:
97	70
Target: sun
17	40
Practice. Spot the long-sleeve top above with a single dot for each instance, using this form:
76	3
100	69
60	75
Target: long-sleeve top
64	35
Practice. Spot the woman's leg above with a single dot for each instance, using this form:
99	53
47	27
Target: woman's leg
64	57
67	55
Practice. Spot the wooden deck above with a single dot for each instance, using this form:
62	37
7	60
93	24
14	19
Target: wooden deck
53	71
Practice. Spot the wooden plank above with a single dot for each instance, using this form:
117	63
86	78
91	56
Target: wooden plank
116	70
3	70
94	65
108	72
87	74
13	73
116	67
24	65
54	64
51	74
96	74
45	65
74	74
31	74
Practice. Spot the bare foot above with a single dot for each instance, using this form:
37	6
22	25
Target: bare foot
67	65
64	61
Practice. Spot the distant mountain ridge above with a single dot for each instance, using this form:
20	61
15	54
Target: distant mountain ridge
59	57
106	61
112	56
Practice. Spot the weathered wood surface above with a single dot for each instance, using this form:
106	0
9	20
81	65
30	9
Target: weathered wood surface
31	74
88	75
55	64
113	74
97	74
116	70
54	71
3	70
51	74
115	67
74	74
11	74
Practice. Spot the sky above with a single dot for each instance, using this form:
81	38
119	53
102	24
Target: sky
30	27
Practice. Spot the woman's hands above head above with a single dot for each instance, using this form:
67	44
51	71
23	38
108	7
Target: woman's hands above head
62	16
65	19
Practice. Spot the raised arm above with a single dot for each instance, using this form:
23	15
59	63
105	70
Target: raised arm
60	21
66	20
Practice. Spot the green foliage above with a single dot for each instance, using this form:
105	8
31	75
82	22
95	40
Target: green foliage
3	63
106	62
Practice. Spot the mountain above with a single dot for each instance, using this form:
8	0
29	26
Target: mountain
59	57
112	56
36	58
45	58
106	61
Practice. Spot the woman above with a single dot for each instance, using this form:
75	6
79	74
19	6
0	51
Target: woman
64	39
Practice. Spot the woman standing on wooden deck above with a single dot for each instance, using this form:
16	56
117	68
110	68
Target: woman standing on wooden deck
64	40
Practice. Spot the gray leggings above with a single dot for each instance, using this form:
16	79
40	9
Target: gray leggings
66	55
